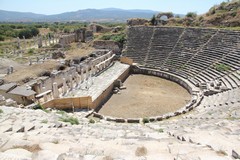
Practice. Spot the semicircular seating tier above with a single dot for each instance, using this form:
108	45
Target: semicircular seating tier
198	54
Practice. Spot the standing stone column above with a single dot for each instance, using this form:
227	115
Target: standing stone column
30	61
34	41
109	62
82	78
8	70
92	69
37	59
45	41
90	73
18	43
105	64
44	96
71	82
25	44
49	40
64	86
77	80
55	90
87	73
40	42
57	39
11	69
53	37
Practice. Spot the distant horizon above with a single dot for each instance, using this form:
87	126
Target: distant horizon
83	9
52	7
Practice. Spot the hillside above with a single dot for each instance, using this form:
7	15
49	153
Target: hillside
11	16
226	14
86	15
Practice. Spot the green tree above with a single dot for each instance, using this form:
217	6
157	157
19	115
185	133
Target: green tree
66	30
34	31
28	32
2	38
153	20
191	15
53	28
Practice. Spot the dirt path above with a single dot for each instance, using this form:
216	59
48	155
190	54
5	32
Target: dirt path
146	96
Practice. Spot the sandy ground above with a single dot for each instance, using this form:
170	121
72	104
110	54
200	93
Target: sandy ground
146	96
5	63
30	71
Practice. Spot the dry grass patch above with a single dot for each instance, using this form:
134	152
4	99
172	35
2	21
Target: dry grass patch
141	151
79	52
34	148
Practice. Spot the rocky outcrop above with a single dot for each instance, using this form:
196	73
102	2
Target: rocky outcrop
136	22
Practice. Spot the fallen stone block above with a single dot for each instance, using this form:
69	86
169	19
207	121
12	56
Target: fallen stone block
120	120
98	115
152	119
235	154
133	120
111	119
159	118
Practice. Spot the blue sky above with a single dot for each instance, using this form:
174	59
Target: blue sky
60	6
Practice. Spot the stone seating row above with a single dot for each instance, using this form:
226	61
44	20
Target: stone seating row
192	51
213	123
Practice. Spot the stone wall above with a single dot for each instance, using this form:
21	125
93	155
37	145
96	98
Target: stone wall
69	103
126	60
111	45
165	75
108	92
61	82
67	39
195	101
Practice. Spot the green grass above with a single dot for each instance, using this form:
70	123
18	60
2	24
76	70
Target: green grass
1	111
39	106
120	38
44	121
61	112
231	28
222	67
72	120
160	130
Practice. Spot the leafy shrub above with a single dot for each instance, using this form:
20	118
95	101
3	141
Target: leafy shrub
160	130
153	20
66	30
145	120
28	32
120	38
191	15
2	38
31	51
91	121
38	106
72	120
53	28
